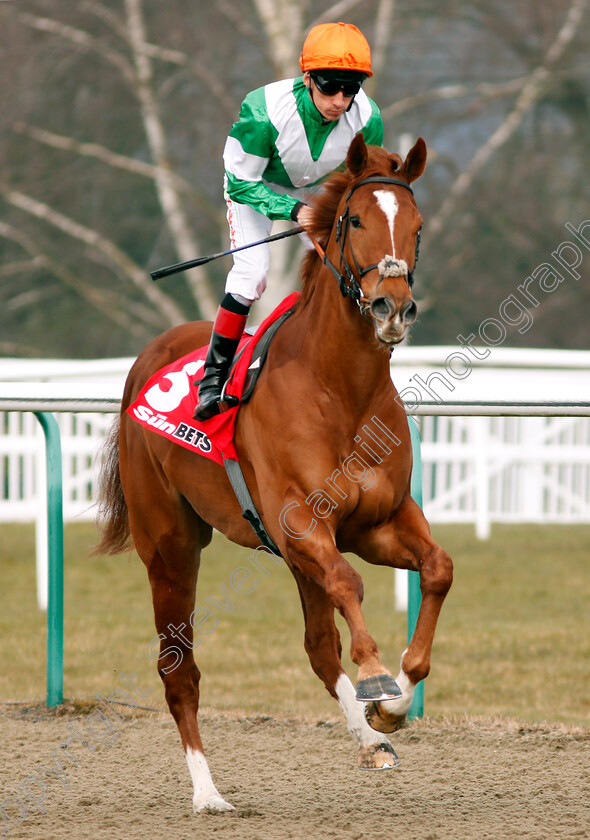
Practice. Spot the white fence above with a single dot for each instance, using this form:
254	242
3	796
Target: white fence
500	469
506	469
22	464
476	470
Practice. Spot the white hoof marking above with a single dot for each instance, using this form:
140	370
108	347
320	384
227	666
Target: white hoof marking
215	803
355	714
206	795
401	705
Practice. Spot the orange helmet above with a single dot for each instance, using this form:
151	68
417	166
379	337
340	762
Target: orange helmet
336	46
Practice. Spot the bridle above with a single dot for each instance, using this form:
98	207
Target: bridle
347	281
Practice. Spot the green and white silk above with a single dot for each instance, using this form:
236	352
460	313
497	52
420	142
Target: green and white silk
281	146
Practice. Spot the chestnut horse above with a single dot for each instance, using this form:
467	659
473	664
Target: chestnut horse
325	449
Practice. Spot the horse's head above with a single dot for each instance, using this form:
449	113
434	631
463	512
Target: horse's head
378	234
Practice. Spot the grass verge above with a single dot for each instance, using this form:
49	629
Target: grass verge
513	638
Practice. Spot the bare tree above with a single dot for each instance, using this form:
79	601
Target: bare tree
111	147
136	71
529	93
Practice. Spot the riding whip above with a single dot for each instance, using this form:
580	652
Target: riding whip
183	266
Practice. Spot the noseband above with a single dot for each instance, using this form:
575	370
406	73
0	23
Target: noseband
347	281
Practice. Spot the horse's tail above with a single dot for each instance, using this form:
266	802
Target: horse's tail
113	515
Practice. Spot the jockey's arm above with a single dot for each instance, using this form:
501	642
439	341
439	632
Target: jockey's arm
259	196
247	153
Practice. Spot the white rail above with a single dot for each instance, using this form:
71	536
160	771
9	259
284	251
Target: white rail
492	450
472	470
105	398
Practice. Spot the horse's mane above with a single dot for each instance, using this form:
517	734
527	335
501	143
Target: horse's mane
325	206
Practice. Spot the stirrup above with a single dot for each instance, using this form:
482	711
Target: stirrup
227	401
216	406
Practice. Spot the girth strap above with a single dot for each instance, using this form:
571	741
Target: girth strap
249	512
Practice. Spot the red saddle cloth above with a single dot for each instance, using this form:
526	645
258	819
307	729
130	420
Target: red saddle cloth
167	401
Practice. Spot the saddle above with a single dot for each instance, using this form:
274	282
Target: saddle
258	358
167	401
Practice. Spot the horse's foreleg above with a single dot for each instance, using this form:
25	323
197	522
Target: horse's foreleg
317	558
322	644
406	543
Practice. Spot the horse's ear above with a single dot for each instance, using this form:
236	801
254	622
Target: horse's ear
356	160
415	162
396	162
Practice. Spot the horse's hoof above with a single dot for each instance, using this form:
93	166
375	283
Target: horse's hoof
381	720
378	757
377	687
213	804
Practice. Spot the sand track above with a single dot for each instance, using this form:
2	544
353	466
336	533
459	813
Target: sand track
460	779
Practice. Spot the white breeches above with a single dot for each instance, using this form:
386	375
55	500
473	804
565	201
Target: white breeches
250	269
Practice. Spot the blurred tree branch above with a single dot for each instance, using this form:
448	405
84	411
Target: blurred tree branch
95	150
283	23
336	12
185	241
485	90
96	241
529	94
139	78
112	307
382	33
81	39
118	110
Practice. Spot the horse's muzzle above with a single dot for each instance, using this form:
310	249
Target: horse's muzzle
391	320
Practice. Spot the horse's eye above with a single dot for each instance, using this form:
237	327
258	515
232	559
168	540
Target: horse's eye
355	221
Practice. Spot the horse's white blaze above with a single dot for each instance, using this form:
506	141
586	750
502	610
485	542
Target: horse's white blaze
354	712
205	794
389	205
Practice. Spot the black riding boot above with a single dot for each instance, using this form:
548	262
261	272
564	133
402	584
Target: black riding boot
217	364
227	332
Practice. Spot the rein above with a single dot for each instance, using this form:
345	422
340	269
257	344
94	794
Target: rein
347	281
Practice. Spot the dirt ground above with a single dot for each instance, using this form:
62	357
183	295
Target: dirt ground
462	779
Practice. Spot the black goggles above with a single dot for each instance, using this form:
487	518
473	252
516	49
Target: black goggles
331	85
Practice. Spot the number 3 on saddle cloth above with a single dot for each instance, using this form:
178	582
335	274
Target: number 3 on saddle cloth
166	403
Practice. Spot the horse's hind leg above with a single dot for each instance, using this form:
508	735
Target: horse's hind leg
168	537
172	568
322	644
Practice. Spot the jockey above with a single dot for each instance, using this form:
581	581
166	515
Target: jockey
289	137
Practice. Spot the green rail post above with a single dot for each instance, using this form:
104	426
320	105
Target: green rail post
55	544
414	595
